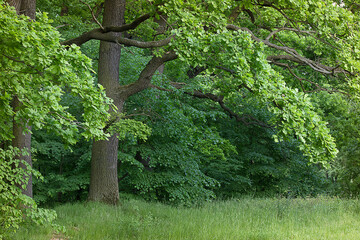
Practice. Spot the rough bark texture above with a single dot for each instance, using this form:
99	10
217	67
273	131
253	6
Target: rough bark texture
23	140
28	8
15	3
104	178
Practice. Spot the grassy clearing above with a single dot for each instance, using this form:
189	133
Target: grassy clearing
256	219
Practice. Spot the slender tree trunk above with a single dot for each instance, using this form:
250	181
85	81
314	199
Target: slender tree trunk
104	160
21	139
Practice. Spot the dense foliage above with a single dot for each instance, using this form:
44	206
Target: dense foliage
38	71
256	98
195	151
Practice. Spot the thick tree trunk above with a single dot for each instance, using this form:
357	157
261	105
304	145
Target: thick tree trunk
15	3
28	8
104	178
21	139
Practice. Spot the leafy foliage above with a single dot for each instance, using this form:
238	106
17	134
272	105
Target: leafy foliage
343	116
167	166
263	167
38	71
195	151
15	207
65	170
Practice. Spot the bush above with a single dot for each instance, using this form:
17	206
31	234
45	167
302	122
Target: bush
15	207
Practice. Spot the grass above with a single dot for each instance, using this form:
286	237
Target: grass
250	219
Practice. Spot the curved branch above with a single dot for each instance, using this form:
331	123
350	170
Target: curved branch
244	118
92	14
22	62
318	86
96	32
294	55
307	32
287	29
145	77
127	27
140	44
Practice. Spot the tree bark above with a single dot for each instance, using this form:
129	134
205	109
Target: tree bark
21	139
16	4
28	8
104	160
104	177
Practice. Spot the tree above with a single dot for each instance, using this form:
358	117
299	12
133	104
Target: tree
103	182
37	71
235	49
342	113
22	139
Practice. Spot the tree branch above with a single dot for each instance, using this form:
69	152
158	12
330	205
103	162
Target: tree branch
318	86
287	29
126	27
93	34
145	77
219	99
98	35
293	55
92	14
22	62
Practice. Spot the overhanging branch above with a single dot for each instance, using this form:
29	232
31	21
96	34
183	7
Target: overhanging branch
145	77
301	80
244	118
293	55
96	33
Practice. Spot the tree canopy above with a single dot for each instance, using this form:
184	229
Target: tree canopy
38	71
205	98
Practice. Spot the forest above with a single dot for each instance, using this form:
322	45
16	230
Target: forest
183	105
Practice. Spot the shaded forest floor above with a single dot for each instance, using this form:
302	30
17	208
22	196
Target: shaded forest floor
257	219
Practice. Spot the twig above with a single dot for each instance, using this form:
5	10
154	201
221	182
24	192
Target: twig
19	61
92	14
60	26
319	87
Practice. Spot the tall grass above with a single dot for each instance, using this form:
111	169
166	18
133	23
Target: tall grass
257	219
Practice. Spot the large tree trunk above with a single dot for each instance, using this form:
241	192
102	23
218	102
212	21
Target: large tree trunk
15	3
28	8
104	178
21	139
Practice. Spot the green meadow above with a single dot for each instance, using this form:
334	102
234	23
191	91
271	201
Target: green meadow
256	219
